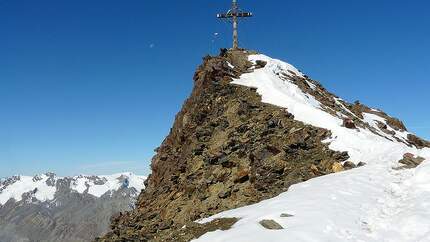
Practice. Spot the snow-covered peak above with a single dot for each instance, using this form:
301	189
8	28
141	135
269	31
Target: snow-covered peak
281	84
99	185
17	186
374	203
43	187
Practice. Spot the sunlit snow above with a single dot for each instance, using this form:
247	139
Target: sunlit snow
374	203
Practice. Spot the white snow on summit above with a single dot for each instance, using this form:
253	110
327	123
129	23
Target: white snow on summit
374	203
362	145
43	187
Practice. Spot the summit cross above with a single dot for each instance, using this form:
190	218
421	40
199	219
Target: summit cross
234	14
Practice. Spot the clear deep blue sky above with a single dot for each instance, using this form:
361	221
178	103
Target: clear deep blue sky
93	86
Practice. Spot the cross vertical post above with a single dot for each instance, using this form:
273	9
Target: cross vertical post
235	33
234	14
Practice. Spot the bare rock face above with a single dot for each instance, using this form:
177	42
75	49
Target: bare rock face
418	142
410	161
226	149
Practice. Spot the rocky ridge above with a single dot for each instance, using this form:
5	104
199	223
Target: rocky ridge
228	149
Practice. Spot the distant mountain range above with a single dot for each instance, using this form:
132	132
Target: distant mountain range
51	208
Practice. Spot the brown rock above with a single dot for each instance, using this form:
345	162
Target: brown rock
270	224
410	161
242	176
418	142
395	123
337	167
260	64
224	194
349	123
314	168
165	225
408	156
349	165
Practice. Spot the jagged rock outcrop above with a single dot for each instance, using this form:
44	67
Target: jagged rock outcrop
410	161
418	142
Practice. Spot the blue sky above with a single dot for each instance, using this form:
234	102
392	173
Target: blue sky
93	86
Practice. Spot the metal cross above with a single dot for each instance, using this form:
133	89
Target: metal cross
234	13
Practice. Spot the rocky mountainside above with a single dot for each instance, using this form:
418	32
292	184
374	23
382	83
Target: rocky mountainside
51	208
253	127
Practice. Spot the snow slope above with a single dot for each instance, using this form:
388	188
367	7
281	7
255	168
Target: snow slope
372	203
43	187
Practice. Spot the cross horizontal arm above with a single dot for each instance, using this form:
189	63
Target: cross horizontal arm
231	15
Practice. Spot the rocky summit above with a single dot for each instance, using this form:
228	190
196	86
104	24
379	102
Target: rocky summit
229	147
64	209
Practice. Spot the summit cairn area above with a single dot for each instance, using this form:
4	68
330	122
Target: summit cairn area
252	127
